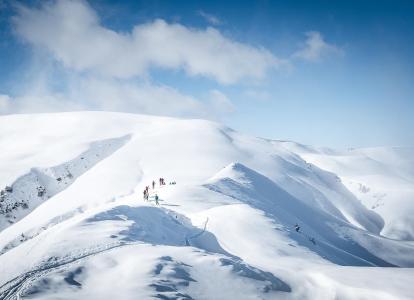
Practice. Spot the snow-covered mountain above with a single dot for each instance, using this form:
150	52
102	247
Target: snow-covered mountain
74	225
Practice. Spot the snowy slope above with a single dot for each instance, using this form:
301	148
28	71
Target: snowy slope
74	223
382	178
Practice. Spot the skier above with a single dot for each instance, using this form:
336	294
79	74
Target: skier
153	184
156	200
160	181
145	194
297	227
312	239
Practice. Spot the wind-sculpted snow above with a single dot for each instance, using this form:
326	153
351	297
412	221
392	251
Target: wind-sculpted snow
158	227
317	228
221	230
69	272
325	191
382	178
40	184
184	274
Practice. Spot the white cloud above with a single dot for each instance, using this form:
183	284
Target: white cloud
92	93
101	69
72	32
5	103
112	95
220	103
316	48
213	20
39	103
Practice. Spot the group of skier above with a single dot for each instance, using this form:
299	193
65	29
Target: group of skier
146	191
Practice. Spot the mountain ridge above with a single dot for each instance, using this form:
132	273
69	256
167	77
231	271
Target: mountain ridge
255	188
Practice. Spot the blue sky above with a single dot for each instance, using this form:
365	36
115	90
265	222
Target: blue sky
333	73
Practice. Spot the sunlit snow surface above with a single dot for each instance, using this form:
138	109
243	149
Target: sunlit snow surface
225	230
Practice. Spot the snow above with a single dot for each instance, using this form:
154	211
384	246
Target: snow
225	230
381	178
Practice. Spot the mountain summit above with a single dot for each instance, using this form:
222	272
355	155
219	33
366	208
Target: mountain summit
236	217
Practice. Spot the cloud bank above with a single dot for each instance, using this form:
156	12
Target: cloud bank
72	32
105	94
112	70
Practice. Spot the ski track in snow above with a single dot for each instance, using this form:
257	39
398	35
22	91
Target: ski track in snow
13	288
227	222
